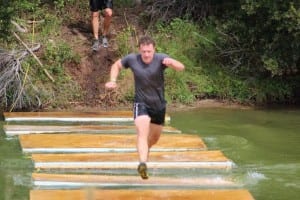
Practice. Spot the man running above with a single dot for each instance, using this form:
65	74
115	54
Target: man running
149	102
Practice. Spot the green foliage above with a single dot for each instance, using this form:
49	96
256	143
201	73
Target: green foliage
272	91
127	93
207	75
6	14
245	51
176	88
227	86
64	89
264	36
124	3
127	41
61	5
58	53
259	50
181	36
54	53
184	41
20	11
51	22
26	6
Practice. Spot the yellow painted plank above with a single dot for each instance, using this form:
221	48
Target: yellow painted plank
91	194
11	130
84	180
187	159
186	156
67	114
71	116
106	141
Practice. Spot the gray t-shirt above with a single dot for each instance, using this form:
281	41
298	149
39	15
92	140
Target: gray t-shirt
148	78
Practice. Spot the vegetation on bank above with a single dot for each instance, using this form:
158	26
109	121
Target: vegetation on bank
246	51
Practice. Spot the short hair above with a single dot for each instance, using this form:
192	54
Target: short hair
146	40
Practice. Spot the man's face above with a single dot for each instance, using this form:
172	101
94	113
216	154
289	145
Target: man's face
147	52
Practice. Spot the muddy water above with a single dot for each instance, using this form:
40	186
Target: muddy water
264	145
15	170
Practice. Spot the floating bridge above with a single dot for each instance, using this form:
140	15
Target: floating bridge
92	156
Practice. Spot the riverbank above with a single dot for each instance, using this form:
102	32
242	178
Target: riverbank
171	107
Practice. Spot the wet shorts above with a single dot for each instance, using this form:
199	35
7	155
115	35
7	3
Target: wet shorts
157	117
96	5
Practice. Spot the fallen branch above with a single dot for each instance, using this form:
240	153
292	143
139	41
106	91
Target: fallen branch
37	59
35	22
19	28
12	82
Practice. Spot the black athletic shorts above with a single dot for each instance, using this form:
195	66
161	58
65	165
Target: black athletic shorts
157	117
96	5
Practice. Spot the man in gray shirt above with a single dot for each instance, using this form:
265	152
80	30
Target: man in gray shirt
149	102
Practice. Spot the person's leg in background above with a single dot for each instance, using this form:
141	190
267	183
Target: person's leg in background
94	7
108	12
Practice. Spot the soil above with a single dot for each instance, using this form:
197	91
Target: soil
93	70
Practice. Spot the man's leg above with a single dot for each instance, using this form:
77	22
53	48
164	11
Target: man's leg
156	126
107	20
95	29
106	24
154	135
142	124
147	135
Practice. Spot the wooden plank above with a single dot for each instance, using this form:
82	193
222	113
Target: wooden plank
92	194
94	180
104	142
12	130
100	116
189	159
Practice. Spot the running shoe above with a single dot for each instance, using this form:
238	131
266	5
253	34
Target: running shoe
96	45
105	42
142	170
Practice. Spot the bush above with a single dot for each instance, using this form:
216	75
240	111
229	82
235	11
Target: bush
262	38
54	54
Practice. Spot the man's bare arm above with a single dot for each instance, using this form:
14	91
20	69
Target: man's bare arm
114	72
174	64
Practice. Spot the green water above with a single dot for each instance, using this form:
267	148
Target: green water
264	145
15	170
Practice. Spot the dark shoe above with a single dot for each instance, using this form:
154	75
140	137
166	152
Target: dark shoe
96	45
104	42
142	169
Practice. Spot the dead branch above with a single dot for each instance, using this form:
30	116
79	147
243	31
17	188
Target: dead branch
19	28
13	92
35	57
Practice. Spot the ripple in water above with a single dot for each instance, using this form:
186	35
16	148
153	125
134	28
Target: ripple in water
226	141
249	178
